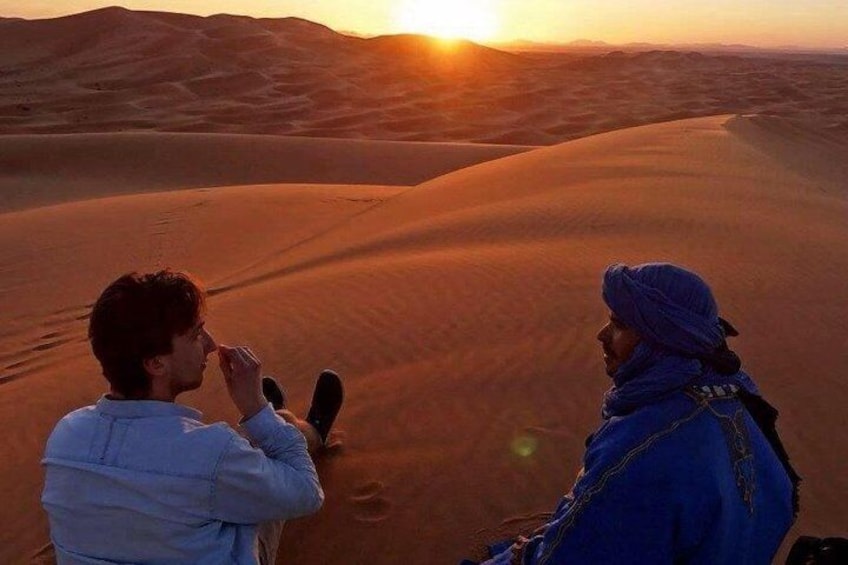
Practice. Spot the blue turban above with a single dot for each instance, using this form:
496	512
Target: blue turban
682	337
666	305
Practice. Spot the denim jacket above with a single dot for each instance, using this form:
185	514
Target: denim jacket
147	482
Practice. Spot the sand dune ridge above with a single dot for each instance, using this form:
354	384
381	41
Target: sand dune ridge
118	70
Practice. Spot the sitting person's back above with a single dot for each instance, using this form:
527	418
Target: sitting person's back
688	478
139	478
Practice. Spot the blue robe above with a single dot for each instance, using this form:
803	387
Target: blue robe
686	479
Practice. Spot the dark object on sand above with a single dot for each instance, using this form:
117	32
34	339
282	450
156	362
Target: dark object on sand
326	402
809	550
273	392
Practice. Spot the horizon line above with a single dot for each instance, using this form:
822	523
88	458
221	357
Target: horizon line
579	42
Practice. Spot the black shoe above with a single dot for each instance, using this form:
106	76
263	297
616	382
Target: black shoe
326	403
273	392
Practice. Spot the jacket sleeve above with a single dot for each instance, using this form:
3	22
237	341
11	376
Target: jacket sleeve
275	481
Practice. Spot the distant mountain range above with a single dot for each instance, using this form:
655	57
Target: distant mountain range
577	46
589	45
120	70
226	39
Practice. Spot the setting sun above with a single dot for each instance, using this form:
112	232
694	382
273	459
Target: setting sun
450	19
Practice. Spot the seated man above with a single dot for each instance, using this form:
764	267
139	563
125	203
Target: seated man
687	466
138	478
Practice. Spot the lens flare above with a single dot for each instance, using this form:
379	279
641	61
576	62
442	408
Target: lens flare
524	446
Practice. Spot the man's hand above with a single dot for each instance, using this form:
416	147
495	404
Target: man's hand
243	374
518	550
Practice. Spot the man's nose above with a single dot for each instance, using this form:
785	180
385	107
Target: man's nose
602	334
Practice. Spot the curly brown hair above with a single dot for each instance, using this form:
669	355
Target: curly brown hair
136	318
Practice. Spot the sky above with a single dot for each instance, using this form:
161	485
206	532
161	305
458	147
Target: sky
763	23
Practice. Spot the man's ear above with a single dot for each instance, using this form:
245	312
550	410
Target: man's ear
154	366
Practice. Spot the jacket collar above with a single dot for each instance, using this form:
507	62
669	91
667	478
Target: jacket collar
144	409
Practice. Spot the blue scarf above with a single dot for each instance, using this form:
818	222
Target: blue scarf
652	374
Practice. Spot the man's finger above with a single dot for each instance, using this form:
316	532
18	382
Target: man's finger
225	360
226	368
241	357
247	358
224	352
252	356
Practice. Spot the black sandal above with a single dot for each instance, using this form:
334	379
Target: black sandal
273	392
326	403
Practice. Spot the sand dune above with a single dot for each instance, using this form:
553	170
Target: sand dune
117	70
805	150
462	313
38	170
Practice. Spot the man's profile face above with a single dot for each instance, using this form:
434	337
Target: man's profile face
618	342
187	361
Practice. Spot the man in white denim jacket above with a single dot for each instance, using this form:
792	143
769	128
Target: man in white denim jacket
139	478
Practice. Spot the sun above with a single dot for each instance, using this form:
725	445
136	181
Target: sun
449	19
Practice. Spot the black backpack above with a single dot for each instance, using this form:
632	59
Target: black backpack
808	550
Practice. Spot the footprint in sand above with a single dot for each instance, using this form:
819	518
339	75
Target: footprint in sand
58	328
61	327
63	317
51	343
369	504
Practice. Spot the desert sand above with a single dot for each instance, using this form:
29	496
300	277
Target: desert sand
461	310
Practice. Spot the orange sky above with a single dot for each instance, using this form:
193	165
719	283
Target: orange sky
768	23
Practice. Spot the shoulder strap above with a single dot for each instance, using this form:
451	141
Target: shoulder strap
765	415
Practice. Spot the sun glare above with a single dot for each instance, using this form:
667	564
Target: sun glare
448	19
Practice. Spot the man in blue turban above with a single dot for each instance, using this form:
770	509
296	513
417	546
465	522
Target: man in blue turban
687	466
